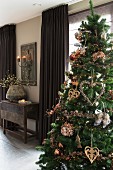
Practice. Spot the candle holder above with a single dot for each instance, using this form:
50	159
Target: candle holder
25	62
28	63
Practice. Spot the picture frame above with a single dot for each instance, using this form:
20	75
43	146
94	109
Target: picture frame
29	63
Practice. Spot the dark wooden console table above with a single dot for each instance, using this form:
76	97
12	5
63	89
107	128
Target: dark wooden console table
18	114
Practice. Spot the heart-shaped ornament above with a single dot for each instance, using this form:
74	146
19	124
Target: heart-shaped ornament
91	153
90	84
73	93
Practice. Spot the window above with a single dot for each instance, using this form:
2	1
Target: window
104	11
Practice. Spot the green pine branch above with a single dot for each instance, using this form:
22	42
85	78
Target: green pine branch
91	8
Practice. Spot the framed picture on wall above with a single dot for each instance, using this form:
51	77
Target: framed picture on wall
29	63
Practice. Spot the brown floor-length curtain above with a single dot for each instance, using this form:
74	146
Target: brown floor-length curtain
7	53
54	51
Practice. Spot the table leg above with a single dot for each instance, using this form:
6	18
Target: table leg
4	126
36	129
25	129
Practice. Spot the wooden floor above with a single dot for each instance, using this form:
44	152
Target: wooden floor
15	155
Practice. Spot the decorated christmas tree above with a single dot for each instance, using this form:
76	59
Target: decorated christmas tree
82	135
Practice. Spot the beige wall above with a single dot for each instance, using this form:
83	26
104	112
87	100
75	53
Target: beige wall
27	32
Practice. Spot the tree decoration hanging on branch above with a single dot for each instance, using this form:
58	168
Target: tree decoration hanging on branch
91	85
76	54
73	94
110	94
78	35
78	141
91	152
67	129
98	55
102	117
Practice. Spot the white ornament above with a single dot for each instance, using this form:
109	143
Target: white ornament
102	118
99	119
97	111
106	120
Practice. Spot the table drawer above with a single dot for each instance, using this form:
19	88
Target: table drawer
13	117
12	108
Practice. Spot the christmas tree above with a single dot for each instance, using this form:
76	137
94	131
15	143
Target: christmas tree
82	135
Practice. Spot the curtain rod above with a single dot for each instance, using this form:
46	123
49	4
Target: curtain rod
54	7
7	25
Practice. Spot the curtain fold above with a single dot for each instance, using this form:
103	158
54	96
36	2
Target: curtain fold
7	53
54	51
